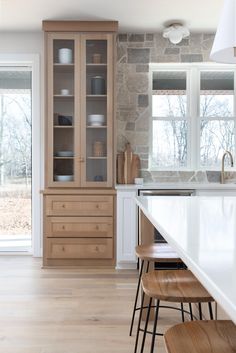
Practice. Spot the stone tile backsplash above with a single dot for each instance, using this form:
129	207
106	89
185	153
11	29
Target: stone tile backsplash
134	54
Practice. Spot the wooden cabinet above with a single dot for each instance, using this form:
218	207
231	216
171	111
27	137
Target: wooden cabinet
79	229
79	144
80	109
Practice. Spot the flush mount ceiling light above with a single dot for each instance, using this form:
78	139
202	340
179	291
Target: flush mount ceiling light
176	32
224	46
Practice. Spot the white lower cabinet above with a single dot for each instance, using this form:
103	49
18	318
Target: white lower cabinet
127	229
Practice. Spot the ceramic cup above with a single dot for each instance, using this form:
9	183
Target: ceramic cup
65	56
65	92
138	181
97	58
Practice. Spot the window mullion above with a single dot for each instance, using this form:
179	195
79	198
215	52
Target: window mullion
194	128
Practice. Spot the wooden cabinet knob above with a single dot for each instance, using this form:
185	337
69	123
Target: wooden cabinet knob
63	205
63	227
97	227
97	206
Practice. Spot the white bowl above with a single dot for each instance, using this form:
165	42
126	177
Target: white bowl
96	119
64	154
64	177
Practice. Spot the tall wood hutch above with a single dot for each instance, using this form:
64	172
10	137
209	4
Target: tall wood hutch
79	196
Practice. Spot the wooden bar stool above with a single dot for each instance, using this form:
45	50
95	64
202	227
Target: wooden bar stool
202	337
175	286
159	253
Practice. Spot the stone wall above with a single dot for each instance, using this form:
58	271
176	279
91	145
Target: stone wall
134	53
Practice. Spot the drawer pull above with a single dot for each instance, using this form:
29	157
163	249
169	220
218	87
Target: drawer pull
63	249
97	206
63	205
63	227
97	248
97	227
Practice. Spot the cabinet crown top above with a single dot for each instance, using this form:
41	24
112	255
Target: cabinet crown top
80	26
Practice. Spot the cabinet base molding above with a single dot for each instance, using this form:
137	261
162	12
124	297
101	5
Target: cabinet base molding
126	266
75	263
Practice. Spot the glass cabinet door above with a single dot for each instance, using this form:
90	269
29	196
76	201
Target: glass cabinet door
96	112
63	151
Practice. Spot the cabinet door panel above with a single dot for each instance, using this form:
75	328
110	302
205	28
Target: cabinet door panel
97	109
62	97
80	227
59	248
79	205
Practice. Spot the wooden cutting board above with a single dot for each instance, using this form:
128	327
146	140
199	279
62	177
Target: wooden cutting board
128	155
120	168
128	166
135	167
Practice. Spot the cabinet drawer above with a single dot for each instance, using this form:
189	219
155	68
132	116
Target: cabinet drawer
80	227
61	205
60	248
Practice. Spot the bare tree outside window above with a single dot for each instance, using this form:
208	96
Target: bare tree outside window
171	123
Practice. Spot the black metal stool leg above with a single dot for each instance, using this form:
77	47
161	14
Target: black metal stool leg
191	311
136	298
200	311
182	311
147	269
155	326
210	311
139	323
146	325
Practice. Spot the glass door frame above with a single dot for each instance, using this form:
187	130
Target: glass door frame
49	175
33	61
109	111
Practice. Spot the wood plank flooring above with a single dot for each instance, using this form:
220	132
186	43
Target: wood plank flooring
67	310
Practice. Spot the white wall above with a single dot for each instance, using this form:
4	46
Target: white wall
21	42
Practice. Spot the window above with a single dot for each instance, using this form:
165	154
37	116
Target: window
193	116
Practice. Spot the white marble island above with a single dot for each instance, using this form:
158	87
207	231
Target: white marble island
202	230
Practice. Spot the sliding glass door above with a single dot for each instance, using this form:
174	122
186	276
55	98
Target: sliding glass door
15	158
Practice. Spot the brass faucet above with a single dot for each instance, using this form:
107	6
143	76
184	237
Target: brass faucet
222	179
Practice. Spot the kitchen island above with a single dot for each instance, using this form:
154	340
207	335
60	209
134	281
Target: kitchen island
202	230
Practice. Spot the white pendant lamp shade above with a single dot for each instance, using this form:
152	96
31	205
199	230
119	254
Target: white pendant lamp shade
225	38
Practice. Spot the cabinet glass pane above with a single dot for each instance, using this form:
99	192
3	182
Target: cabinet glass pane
63	110
96	110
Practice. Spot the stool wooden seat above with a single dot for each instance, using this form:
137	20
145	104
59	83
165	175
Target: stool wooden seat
202	337
174	286
157	252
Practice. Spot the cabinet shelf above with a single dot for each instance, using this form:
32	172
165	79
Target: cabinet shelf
63	68
56	157
63	127
96	96
96	127
97	157
65	96
96	67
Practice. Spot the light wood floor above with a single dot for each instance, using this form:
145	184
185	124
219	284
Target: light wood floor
67	310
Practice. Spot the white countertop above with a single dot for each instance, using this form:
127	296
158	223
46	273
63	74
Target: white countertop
178	186
202	230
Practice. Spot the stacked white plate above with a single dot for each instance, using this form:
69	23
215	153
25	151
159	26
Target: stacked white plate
64	154
96	119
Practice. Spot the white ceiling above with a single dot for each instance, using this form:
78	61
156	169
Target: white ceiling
133	15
